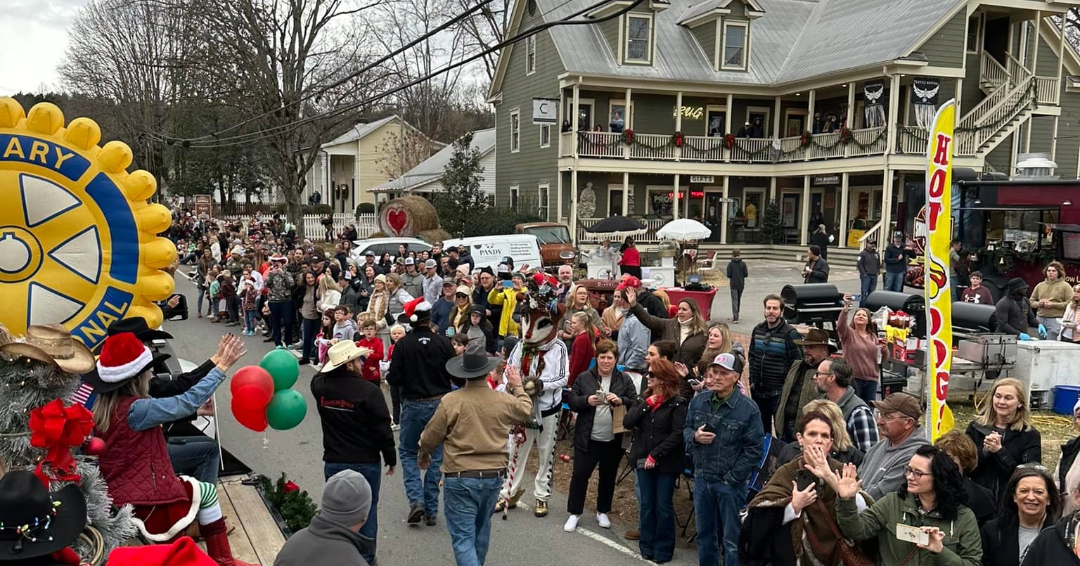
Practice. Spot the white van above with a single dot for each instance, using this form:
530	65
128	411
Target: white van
488	251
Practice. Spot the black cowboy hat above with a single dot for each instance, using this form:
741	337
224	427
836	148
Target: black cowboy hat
138	326
473	364
55	519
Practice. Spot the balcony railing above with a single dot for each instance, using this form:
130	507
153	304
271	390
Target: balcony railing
649	237
1048	90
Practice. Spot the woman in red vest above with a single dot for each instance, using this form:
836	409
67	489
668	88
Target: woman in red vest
135	463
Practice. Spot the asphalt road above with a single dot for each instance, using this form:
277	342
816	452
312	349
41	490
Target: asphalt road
523	539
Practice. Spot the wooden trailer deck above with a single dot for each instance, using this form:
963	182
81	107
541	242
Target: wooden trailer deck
256	538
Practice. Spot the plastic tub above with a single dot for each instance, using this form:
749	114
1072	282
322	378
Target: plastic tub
1065	398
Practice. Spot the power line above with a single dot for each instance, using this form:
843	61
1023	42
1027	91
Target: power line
269	132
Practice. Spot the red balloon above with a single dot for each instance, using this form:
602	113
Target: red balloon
256	384
253	418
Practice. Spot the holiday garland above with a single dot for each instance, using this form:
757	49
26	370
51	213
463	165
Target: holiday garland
1030	97
290	502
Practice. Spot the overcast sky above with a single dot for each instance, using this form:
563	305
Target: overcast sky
33	43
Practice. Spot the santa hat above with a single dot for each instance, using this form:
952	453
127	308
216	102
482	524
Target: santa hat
417	310
183	552
123	356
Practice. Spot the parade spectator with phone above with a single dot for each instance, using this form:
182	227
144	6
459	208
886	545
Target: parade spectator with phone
862	348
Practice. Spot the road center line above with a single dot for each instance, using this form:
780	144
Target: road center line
601	539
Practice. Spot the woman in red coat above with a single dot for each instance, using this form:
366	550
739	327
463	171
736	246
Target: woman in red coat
631	259
582	351
135	463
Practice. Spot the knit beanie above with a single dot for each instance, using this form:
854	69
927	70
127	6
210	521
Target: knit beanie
346	498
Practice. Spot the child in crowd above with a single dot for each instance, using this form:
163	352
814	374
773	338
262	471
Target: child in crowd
344	327
248	297
460	342
322	340
213	281
397	332
371	364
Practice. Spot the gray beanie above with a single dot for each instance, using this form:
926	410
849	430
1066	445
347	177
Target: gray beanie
346	498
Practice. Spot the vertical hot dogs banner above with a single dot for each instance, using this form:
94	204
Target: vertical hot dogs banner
939	154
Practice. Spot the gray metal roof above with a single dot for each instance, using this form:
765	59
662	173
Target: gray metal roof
359	131
794	40
432	168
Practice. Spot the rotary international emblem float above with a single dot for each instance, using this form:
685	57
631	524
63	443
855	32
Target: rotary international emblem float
78	239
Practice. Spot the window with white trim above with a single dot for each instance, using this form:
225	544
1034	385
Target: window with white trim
736	41
514	191
515	131
974	33
543	190
545	135
639	38
530	55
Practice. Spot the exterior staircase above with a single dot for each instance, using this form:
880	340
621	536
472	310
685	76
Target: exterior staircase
1011	99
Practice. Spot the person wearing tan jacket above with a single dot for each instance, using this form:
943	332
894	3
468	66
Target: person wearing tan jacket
472	425
1050	298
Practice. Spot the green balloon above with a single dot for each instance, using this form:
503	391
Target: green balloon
283	367
286	410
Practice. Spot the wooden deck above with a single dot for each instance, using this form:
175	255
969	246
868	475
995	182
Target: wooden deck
255	538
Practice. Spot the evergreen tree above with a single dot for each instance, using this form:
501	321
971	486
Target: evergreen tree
772	223
462	205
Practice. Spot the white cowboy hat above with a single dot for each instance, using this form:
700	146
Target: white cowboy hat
342	353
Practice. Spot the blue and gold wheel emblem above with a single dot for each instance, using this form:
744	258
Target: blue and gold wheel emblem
78	240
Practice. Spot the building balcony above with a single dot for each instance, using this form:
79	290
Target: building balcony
714	149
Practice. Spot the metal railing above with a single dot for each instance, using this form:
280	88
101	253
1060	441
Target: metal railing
648	237
874	233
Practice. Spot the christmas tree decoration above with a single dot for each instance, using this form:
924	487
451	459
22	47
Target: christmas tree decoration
58	429
94	446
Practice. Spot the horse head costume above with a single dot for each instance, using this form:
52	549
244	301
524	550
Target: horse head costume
541	316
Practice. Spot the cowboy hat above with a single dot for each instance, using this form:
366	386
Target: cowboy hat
342	353
52	344
55	519
472	364
139	327
278	257
123	356
817	337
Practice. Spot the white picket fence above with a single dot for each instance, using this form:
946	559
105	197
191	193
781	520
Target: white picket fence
366	224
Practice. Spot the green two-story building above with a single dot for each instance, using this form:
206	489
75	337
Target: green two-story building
710	109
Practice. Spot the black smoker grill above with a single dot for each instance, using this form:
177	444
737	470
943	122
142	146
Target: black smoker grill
969	319
912	305
815	304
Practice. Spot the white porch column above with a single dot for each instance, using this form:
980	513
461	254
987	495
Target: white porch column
626	193
727	122
559	120
810	110
894	108
678	127
959	95
724	212
804	216
1053	140
776	121
573	200
574	128
627	125
772	189
886	203
844	203
1035	49
558	196
675	199
850	114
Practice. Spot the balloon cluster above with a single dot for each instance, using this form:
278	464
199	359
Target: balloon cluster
262	394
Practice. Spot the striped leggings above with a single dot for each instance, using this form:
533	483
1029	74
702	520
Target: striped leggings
209	509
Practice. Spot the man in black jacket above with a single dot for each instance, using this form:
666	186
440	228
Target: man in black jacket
817	269
772	352
355	426
418	367
1014	314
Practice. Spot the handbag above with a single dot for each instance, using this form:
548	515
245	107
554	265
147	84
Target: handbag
850	553
618	413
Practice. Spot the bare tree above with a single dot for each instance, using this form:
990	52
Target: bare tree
486	30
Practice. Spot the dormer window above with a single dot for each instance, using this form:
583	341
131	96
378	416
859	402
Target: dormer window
736	45
638	38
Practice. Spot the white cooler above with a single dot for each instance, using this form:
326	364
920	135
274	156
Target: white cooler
1042	364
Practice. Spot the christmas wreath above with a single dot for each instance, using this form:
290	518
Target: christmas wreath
628	137
805	139
293	505
845	135
679	139
729	141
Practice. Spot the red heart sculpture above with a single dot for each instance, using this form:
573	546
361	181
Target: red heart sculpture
397	219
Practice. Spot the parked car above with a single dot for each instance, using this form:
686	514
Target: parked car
387	246
556	247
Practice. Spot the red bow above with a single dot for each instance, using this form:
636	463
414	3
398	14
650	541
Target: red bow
290	487
57	429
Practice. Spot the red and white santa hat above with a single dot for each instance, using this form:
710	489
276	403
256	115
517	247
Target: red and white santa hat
123	356
417	309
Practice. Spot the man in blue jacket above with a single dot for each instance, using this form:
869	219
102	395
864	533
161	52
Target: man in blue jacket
896	263
723	434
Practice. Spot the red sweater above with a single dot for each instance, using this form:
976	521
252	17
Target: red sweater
371	363
581	355
630	258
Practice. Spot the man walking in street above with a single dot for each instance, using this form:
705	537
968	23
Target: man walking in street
418	368
722	465
817	269
736	273
869	265
833	381
882	470
772	352
472	425
355	426
798	387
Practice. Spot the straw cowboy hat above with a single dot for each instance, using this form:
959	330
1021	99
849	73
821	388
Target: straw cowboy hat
52	344
342	353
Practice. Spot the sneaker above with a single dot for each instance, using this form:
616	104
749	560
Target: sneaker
416	512
571	523
395	427
279	347
540	510
304	361
602	518
632	534
429	520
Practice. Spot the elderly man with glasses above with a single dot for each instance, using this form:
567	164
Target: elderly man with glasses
897	419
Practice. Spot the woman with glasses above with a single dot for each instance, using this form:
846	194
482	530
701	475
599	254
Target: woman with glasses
657	418
928	509
1030	504
1004	435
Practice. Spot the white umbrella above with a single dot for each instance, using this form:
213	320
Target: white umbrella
683	230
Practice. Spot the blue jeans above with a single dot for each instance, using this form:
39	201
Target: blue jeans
309	329
414	417
202	293
716	506
867	285
468	503
281	318
195	456
373	474
249	320
656	514
894	282
865	389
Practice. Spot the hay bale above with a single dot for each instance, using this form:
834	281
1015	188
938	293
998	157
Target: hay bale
379	234
408	216
436	235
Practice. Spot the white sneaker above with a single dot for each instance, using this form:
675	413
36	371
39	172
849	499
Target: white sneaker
395	427
571	523
601	518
